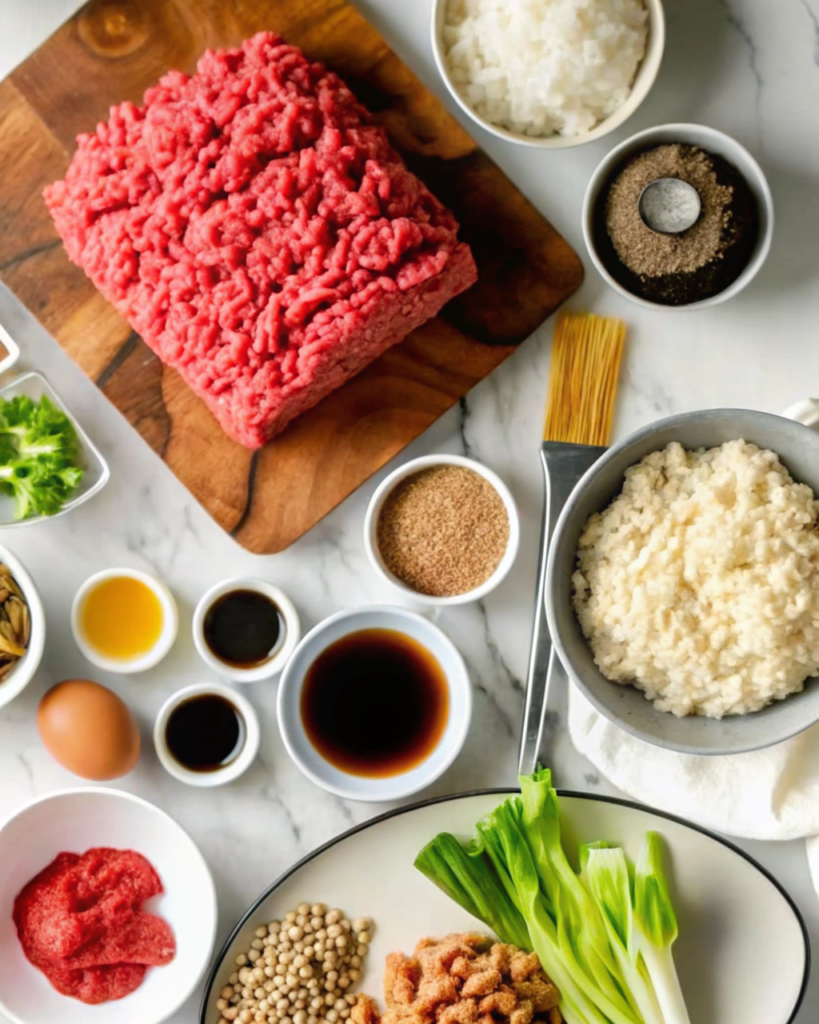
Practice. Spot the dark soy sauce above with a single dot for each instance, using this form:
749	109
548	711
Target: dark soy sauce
375	703
205	733
243	628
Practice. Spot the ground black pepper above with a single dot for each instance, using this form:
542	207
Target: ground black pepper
696	264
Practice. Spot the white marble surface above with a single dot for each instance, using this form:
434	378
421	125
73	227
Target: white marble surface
749	67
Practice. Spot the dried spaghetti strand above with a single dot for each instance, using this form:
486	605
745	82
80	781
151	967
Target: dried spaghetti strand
586	356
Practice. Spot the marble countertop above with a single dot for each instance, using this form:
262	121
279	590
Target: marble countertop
748	67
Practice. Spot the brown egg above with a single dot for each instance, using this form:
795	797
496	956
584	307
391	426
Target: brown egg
88	730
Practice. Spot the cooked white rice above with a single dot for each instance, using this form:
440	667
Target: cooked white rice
540	67
700	582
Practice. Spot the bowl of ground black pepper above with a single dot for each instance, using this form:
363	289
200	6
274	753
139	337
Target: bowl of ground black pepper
443	529
679	216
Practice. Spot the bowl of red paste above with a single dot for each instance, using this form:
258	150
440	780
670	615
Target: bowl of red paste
105	902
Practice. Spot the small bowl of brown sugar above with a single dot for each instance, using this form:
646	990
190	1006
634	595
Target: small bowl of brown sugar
678	216
443	529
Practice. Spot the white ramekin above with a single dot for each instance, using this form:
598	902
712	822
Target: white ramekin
167	638
231	771
386	487
291	633
360	787
643	83
712	141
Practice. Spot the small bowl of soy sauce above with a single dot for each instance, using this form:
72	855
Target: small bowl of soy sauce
246	629
375	704
207	735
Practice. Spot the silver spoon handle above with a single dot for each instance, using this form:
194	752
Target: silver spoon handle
563	465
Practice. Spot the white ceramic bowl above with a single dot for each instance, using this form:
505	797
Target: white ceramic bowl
287	642
75	821
23	672
386	487
643	82
167	638
712	141
96	473
357	787
232	770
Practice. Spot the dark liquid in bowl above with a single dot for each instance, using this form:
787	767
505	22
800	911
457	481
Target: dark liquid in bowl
205	733
375	703
243	628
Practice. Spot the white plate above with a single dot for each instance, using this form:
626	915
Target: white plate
75	821
736	923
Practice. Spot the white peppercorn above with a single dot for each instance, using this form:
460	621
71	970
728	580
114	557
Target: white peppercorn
295	971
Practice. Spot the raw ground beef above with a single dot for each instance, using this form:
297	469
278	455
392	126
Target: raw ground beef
79	922
258	231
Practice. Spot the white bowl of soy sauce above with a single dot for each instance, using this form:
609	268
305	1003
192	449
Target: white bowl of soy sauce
246	629
375	703
207	735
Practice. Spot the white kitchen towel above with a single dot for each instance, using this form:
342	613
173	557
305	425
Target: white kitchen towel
767	794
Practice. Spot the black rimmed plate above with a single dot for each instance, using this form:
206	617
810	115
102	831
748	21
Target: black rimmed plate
743	952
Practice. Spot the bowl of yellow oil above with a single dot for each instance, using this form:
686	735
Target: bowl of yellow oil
124	620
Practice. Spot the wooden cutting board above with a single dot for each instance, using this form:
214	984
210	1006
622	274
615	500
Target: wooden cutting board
111	51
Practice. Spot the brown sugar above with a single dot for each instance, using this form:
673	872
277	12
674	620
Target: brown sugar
443	531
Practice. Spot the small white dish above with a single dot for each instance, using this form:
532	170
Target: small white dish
76	821
238	766
96	473
359	787
290	636
384	490
23	672
641	87
167	638
712	141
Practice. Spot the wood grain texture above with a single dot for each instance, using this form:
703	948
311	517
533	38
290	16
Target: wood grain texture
112	50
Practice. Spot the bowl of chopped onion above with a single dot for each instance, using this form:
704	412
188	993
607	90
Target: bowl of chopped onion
548	73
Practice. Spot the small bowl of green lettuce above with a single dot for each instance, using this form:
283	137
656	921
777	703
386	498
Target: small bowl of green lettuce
48	464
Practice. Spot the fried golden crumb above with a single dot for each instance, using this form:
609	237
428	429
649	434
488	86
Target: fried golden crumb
364	1011
465	979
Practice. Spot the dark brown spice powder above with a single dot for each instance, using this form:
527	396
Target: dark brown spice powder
649	253
695	264
443	531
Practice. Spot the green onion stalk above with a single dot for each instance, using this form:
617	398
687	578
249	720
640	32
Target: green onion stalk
603	935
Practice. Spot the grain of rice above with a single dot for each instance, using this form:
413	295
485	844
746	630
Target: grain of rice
545	67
